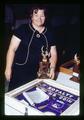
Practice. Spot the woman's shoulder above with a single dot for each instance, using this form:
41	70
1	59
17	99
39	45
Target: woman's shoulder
22	28
20	31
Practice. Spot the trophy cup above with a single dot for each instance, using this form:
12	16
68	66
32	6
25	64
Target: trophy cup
44	64
76	72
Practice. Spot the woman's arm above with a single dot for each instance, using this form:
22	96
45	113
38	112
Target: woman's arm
53	61
10	56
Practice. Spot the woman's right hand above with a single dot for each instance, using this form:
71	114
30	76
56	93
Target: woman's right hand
8	73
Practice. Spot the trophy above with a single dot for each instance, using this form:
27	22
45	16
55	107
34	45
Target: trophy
76	72
44	64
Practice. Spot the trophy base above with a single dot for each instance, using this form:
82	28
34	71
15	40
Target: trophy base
43	76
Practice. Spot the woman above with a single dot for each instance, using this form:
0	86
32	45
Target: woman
24	52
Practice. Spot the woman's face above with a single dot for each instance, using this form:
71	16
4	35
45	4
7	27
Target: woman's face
38	17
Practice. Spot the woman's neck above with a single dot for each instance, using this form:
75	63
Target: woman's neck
40	29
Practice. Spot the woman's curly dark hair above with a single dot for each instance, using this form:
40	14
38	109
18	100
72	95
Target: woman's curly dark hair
37	7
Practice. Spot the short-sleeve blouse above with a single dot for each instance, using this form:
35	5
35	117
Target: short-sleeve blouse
29	50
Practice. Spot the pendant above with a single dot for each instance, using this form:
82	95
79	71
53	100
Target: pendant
38	35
